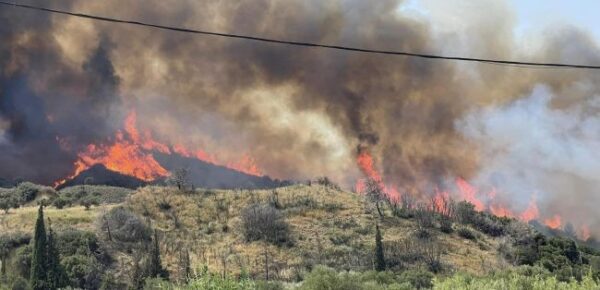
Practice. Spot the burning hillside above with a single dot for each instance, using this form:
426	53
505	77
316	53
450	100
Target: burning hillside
141	101
134	155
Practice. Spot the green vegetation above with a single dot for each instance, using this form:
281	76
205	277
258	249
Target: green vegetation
297	237
39	257
379	256
90	195
520	278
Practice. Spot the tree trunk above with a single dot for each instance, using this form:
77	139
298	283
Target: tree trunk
266	263
379	209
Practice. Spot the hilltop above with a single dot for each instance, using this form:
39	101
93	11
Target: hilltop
299	227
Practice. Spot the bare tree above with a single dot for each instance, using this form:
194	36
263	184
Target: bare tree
376	194
432	254
179	178
264	222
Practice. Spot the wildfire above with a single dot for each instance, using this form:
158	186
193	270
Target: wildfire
469	193
366	164
584	233
531	212
465	191
131	153
553	222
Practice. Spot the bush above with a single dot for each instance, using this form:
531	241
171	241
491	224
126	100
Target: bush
206	281
264	222
424	216
446	225
88	201
103	193
60	202
83	271
465	212
418	278
11	242
532	278
488	224
269	285
27	191
8	199
466	233
20	284
327	278
121	225
22	261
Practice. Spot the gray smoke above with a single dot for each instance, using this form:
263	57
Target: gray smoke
535	146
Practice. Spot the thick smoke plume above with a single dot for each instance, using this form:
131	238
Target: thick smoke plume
532	148
299	112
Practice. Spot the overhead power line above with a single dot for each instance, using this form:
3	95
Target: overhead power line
309	44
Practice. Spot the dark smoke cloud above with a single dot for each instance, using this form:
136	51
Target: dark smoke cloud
44	99
300	112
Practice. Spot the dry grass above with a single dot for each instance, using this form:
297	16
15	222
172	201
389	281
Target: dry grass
23	219
328	226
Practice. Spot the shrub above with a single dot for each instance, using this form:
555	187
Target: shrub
121	225
8	199
83	271
20	284
325	181
518	278
422	234
488	224
446	225
60	202
22	261
264	222
88	201
465	212
424	216
164	205
418	278
12	241
103	193
340	239
269	285
27	191
466	233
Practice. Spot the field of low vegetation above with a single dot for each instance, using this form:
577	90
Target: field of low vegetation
303	236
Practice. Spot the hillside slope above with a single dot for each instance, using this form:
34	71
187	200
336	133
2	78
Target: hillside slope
328	226
316	224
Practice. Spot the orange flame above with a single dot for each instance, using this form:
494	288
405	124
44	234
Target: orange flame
501	211
584	232
468	193
366	165
246	165
553	222
531	212
131	154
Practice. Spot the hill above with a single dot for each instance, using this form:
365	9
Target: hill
99	174
281	234
200	174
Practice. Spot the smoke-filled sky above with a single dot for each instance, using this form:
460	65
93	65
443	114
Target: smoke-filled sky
303	112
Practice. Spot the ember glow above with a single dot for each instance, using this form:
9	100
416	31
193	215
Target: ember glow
131	153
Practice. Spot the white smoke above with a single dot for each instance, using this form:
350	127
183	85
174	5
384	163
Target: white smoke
530	147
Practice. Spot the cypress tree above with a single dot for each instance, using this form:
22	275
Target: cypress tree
155	268
39	256
379	258
56	275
